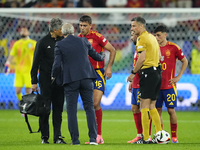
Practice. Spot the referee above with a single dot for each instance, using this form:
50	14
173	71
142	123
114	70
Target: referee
150	80
43	60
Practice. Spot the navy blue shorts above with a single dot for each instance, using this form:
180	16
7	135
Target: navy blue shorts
168	96
135	100
100	83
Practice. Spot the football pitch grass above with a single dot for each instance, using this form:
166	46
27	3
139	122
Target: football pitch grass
118	127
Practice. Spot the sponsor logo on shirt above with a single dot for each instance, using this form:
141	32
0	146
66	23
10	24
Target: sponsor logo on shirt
49	47
139	47
162	58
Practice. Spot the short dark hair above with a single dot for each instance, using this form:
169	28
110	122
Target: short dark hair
86	18
140	20
160	28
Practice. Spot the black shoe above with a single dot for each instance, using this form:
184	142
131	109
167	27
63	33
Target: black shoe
93	141
154	140
77	142
60	141
45	140
141	141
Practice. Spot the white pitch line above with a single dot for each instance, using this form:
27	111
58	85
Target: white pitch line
104	120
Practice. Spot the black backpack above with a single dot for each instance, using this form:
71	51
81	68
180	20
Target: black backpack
34	104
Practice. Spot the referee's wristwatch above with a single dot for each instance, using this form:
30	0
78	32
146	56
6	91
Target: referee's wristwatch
133	72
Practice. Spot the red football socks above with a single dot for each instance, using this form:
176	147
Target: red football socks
173	130
99	120
138	123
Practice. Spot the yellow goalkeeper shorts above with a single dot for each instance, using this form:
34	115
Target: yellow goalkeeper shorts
22	79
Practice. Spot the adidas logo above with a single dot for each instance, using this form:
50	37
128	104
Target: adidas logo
49	47
171	103
139	142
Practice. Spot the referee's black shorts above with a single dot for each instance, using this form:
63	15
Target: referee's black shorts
150	82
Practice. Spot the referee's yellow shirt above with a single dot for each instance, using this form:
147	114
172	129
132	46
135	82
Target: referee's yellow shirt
23	50
147	42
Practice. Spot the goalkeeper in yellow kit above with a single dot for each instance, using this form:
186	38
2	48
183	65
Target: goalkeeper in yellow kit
22	51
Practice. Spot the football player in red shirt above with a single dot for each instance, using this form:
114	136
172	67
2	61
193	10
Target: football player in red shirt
99	43
170	53
134	88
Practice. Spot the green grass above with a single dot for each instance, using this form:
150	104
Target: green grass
118	127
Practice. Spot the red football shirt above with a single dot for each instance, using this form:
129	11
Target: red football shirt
136	79
170	53
97	41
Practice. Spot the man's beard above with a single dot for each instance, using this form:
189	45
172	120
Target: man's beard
23	36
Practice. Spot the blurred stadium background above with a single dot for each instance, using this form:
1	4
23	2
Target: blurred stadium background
114	23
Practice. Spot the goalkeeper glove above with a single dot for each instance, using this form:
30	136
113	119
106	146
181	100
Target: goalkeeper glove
7	69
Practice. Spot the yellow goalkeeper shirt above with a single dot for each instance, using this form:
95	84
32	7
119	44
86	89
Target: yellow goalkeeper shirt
23	50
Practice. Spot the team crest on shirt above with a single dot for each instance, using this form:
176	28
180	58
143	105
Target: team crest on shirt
91	41
168	53
30	45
